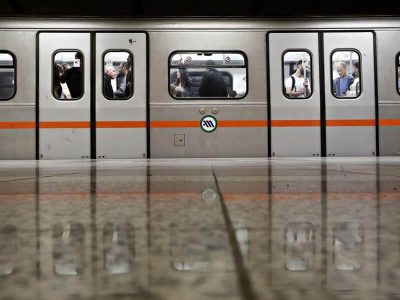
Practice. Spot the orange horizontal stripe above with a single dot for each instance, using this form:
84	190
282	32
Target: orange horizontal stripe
53	125
121	124
242	123
174	124
389	122
365	122
17	125
295	123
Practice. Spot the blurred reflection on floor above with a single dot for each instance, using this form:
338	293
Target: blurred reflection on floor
200	229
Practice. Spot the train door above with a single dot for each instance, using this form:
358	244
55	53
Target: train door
350	94
294	94
64	95
121	95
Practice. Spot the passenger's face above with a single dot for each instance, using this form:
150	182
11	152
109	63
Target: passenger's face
341	71
301	69
111	73
356	71
178	75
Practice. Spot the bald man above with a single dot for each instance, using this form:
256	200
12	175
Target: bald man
342	84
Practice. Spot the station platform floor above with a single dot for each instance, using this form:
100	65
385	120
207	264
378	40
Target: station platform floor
200	229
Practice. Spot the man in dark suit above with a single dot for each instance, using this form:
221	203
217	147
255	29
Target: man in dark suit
73	77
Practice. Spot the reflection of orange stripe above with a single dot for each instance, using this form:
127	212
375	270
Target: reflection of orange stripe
389	122
17	125
75	124
365	122
121	124
295	123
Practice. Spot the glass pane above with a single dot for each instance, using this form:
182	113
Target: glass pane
346	74
299	246
208	75
6	60
297	74
207	59
68	75
348	246
7	76
398	72
118	242
68	248
118	75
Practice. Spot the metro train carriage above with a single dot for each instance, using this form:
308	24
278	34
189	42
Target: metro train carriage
174	88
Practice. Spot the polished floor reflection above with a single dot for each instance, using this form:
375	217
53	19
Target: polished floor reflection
200	229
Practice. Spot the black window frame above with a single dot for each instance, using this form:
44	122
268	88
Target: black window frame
331	70
202	67
133	74
283	73
82	71
397	65
14	66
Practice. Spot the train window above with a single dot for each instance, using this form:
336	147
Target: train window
398	72
118	75
205	75
346	74
297	83
68	75
7	76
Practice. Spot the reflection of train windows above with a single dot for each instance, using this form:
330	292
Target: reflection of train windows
348	240
203	75
8	249
242	237
68	248
7	76
189	251
299	246
119	248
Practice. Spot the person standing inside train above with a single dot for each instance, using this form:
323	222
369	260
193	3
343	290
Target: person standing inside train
73	77
342	83
296	86
109	74
122	90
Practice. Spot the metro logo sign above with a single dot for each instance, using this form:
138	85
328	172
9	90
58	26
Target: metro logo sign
208	123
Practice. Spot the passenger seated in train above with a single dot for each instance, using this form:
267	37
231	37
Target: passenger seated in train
296	86
182	84
122	89
109	74
342	83
73	77
212	84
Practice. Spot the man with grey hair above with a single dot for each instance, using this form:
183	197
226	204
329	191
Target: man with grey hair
109	74
342	84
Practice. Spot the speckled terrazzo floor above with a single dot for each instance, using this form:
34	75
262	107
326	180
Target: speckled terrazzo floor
200	229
